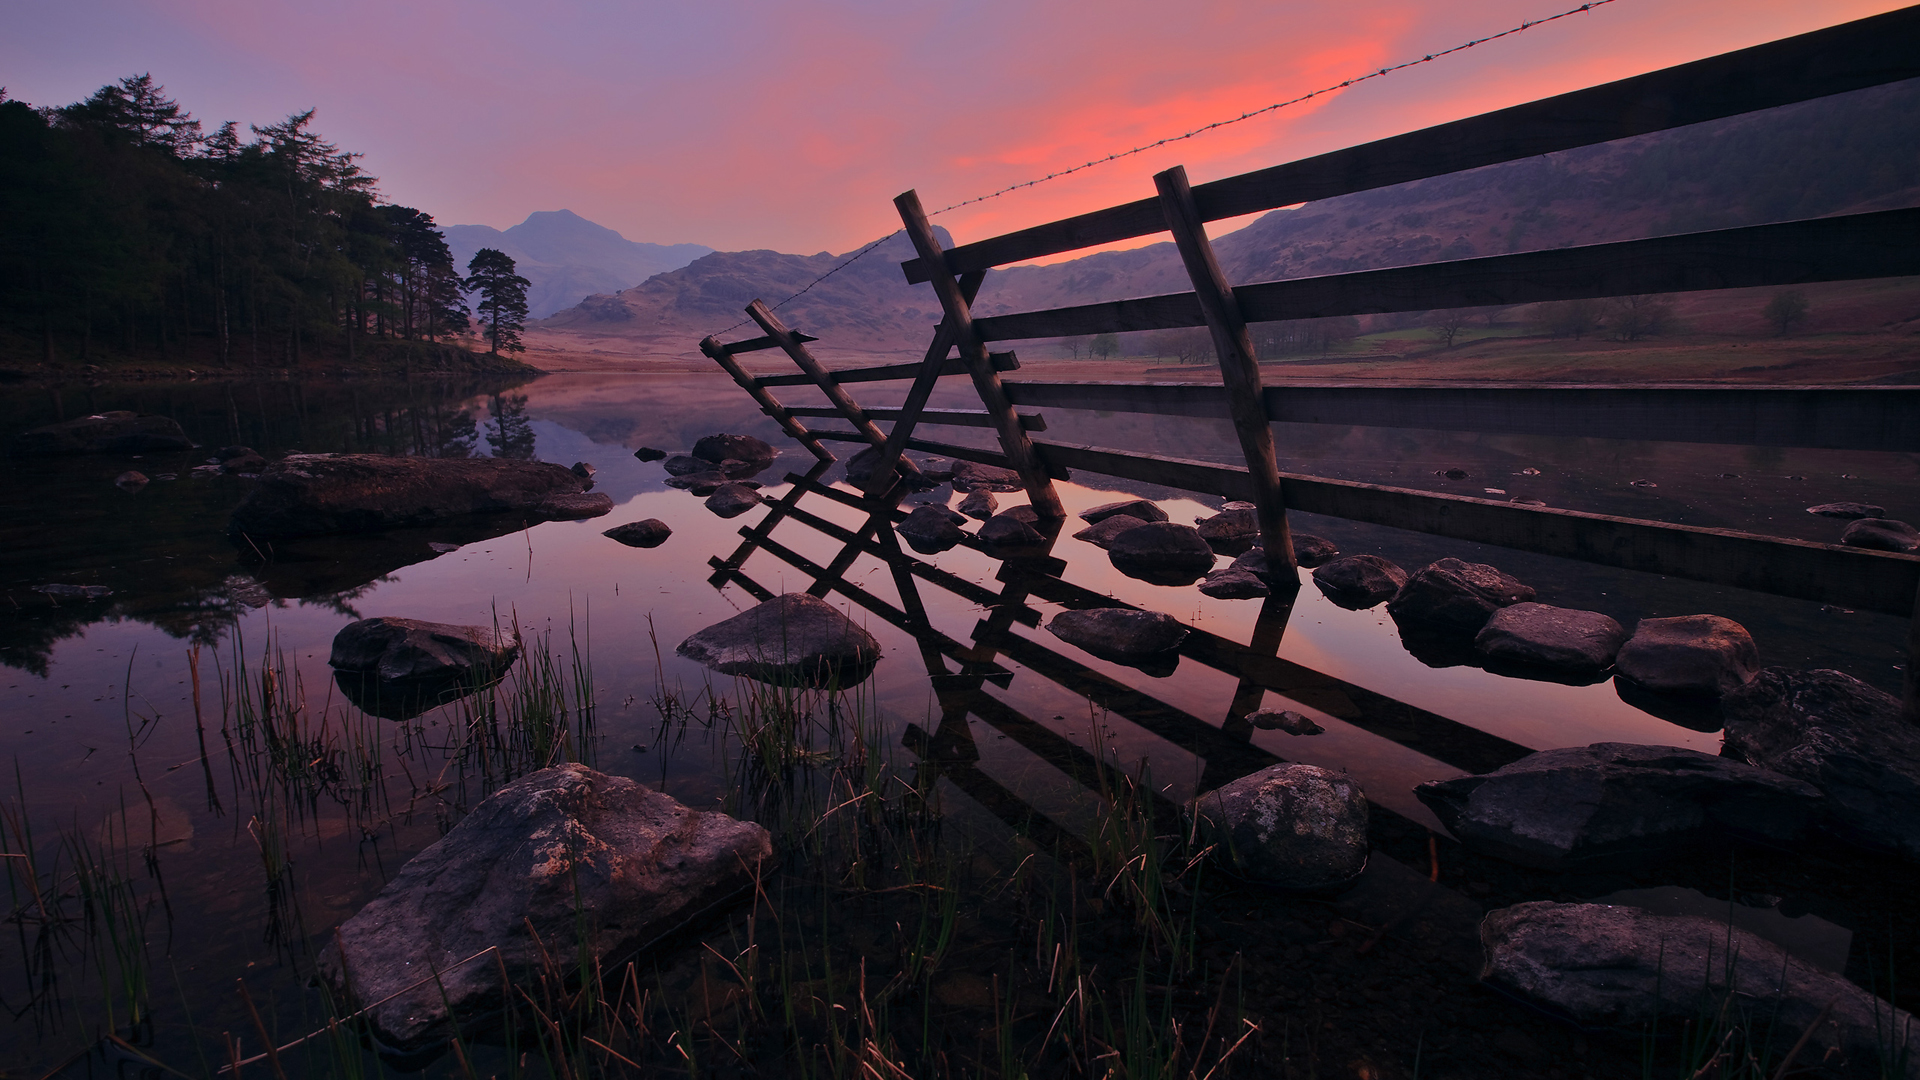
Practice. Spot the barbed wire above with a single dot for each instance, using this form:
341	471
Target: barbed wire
1182	137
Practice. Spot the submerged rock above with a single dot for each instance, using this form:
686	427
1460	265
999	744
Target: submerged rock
1293	723
1698	656
321	494
645	533
1529	635
1234	584
1614	804
1141	509
744	449
1453	598
732	500
1290	826
1882	534
971	476
574	507
979	505
1012	528
1102	534
1230	532
1359	581
116	432
1119	634
790	640
564	862
1161	553
398	668
687	465
930	530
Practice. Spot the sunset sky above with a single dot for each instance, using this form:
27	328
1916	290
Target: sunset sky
792	126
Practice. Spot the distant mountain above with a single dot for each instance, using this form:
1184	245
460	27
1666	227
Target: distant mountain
568	257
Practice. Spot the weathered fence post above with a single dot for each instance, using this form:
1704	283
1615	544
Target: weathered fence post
1238	369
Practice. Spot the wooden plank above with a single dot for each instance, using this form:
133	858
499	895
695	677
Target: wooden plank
954	417
914	408
768	403
849	408
773	517
953	583
1882	418
1825	573
1881	244
986	381
954	450
1867	52
764	342
1002	361
1239	371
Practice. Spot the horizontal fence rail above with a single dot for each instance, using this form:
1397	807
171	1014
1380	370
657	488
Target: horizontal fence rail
1867	52
1002	361
1885	418
959	417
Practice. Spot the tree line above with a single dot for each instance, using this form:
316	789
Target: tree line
130	230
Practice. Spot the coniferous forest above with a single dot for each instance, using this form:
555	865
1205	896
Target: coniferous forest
133	233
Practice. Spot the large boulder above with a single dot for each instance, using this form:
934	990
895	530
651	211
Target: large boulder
1696	656
116	432
321	494
970	476
791	640
1451	598
399	668
1882	534
1540	636
566	863
1842	736
1613	804
1359	581
1289	826
1119	634
645	533
1230	532
745	449
1102	534
1161	553
930	530
1625	968
1141	509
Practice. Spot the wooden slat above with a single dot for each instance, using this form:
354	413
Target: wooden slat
964	453
1002	361
954	417
849	409
763	342
1825	573
1868	52
1885	418
915	405
768	403
1881	244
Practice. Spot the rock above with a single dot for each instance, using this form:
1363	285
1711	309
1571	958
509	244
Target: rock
732	500
320	494
648	453
130	479
1359	581
1102	535
1135	508
399	668
979	505
930	530
1290	826
1604	966
247	464
439	548
1286	720
1701	656
1882	534
741	448
646	533
1161	553
790	640
1119	634
1615	804
1529	635
562	853
687	465
1451	598
583	470
231	453
1239	504
1842	736
971	476
705	483
1011	528
117	432
1455	473
1848	510
1232	584
1642	483
74	592
1311	551
1230	532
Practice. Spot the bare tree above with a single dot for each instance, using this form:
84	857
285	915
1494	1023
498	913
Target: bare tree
1451	323
1786	311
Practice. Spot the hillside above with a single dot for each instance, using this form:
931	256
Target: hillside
567	257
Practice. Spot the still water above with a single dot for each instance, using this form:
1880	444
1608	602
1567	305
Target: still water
114	707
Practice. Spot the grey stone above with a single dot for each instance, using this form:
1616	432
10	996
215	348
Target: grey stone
931	529
1234	584
646	533
1701	656
1230	532
1293	723
1613	804
1848	510
321	494
790	640
598	867
1623	967
734	448
687	464
979	505
732	500
1533	635
1161	553
1842	736
398	668
116	432
970	476
1290	826
1142	509
1121	634
1453	598
1010	528
1102	535
1882	534
1359	581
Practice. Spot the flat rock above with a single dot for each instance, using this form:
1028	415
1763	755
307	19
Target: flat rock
1289	826
599	867
979	505
1614	804
116	432
1698	656
1230	532
1842	736
731	500
1161	553
1120	634
930	530
1102	534
790	640
1311	551
1287	720
1143	509
1454	598
1359	581
1603	966
1529	635
322	494
971	476
687	464
1848	510
744	449
1010	528
645	533
1882	534
1234	584
398	668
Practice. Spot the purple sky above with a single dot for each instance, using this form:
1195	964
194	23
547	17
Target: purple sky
792	126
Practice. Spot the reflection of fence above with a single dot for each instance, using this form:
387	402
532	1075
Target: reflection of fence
1868	52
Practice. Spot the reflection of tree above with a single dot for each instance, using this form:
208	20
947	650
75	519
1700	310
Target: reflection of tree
511	434
341	603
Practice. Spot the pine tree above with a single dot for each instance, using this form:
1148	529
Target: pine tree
503	299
